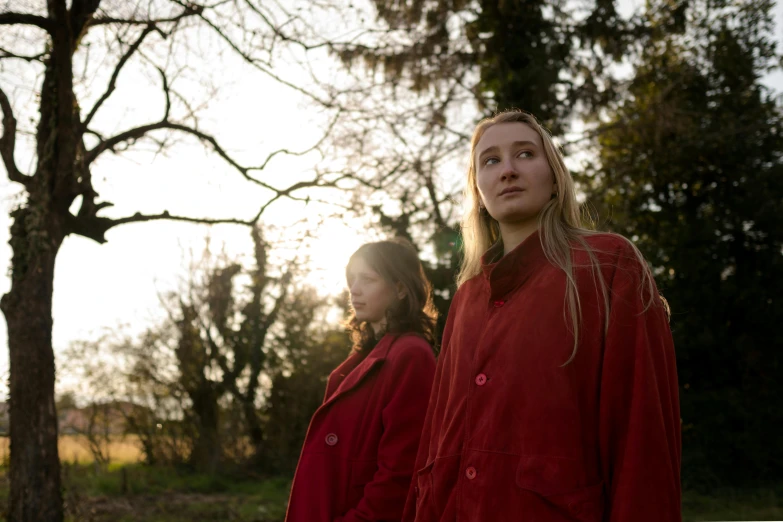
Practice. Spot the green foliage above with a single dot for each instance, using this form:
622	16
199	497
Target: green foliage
544	56
690	168
520	53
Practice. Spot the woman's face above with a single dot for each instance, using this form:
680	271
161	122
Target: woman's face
371	294
513	175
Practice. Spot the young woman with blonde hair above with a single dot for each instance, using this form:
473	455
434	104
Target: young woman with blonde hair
555	396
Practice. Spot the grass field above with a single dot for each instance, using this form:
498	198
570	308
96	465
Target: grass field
131	492
764	504
137	493
74	449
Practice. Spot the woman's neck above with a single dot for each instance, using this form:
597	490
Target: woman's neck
379	328
513	234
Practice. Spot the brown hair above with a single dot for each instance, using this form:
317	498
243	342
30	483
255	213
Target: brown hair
397	262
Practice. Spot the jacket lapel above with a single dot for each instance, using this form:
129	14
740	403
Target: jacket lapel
371	363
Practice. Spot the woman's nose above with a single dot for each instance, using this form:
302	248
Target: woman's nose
508	171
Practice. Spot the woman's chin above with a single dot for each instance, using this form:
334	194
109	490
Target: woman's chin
516	217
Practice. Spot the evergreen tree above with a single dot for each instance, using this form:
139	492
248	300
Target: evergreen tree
690	168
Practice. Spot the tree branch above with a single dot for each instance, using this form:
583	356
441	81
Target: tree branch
81	13
262	66
4	53
315	183
27	19
113	81
189	10
8	142
95	227
140	132
278	31
139	218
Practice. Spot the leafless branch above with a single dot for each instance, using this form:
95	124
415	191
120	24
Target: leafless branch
95	227
261	65
189	9
94	133
8	142
140	132
26	19
139	218
288	193
167	91
278	31
4	53
80	14
113	81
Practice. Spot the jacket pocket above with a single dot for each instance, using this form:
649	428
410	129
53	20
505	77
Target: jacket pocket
559	482
425	499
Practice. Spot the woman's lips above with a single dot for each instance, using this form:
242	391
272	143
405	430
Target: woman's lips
510	190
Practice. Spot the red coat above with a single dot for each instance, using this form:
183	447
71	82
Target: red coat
512	434
358	456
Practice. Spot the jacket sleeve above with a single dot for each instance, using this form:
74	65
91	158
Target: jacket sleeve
639	420
403	416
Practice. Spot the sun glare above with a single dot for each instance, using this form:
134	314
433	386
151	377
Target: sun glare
332	246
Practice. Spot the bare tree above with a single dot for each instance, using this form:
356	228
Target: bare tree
223	348
58	191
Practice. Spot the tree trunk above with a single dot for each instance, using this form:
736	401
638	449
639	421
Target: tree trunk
35	465
207	452
255	431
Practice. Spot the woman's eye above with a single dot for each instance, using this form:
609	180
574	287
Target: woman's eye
525	154
490	161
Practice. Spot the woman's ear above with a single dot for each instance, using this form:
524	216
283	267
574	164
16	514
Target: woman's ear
401	291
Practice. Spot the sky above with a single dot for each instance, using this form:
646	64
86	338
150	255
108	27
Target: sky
119	283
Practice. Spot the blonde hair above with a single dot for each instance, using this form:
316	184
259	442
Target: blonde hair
560	225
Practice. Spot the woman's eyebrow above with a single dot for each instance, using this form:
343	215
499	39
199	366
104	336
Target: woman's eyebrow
494	148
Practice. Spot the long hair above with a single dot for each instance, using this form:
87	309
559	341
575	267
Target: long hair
560	226
397	262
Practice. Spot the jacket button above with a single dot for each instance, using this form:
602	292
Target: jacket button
481	379
331	439
470	473
499	303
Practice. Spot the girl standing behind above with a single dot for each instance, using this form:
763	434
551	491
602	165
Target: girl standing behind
358	455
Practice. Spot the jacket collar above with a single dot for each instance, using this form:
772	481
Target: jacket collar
357	367
504	274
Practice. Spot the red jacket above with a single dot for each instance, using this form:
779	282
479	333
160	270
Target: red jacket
513	434
358	456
